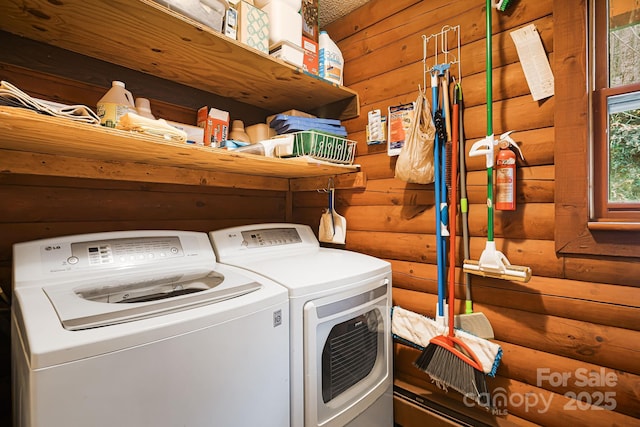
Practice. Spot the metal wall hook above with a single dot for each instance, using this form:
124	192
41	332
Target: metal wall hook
442	49
330	187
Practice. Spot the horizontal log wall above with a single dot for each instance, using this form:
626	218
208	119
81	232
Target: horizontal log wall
43	207
576	316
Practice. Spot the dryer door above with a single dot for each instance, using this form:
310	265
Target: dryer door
347	353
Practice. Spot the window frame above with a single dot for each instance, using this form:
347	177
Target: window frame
576	232
602	210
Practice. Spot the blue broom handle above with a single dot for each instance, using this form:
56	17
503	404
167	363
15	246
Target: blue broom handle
436	159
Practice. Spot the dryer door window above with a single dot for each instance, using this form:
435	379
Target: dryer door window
350	353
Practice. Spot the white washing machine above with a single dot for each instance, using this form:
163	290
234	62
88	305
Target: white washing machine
341	363
144	328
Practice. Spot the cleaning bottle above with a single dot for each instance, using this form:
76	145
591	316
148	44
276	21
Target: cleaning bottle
330	61
143	107
114	104
237	132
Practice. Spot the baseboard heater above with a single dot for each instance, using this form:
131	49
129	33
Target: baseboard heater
436	408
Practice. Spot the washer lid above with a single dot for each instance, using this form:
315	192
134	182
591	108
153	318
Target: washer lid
126	298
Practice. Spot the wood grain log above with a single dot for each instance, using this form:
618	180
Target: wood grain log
522	399
404	32
601	345
380	192
533	221
365	16
625	271
63	205
604	304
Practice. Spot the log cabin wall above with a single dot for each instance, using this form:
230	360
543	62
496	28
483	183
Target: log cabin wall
578	315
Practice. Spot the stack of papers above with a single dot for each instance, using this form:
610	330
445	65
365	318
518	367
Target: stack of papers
14	97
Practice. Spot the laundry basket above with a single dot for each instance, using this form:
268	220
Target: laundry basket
324	146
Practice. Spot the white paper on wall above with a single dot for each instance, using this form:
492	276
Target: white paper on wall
534	62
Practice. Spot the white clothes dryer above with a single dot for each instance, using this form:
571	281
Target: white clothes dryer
144	328
340	301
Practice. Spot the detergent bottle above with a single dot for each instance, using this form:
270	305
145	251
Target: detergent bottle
330	61
114	104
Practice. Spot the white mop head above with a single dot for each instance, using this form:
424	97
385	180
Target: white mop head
417	330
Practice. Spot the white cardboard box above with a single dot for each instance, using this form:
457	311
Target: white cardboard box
289	53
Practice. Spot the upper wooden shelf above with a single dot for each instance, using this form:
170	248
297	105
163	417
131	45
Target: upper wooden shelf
145	36
32	143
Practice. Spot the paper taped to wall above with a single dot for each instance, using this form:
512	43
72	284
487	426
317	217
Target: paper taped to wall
534	61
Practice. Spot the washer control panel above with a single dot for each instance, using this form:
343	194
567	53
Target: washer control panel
126	251
110	252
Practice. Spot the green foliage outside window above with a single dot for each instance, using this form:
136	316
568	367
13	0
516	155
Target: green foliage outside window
624	156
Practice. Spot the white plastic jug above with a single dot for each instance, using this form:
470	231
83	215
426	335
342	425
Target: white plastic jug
330	61
114	104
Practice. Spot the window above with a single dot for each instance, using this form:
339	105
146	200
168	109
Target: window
577	231
616	111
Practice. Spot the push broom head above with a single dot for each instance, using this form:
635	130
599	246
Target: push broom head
493	263
451	363
501	5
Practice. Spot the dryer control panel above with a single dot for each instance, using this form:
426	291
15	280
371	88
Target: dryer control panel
275	239
270	237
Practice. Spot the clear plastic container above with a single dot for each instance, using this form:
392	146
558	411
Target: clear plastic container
208	12
294	4
285	23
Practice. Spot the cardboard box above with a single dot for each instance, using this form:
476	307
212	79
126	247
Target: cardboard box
231	23
309	12
216	125
289	53
310	59
195	134
253	27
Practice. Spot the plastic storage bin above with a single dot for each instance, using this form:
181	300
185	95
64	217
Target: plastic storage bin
285	23
323	146
207	12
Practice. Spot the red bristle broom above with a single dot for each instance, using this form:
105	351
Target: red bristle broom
447	359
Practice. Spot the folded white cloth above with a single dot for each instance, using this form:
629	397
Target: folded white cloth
14	97
160	127
417	330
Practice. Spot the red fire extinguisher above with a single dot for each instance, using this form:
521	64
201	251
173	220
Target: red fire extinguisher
506	173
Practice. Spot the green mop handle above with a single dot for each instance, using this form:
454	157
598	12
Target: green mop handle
489	54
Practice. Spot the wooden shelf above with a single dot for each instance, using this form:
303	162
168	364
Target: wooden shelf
145	36
32	143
